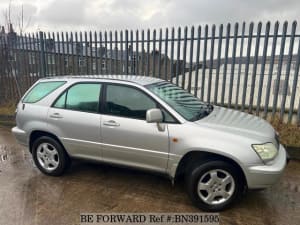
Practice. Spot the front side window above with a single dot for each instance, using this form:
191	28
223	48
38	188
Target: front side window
41	90
127	102
188	106
80	97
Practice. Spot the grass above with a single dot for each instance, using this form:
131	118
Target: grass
6	111
289	133
8	124
7	108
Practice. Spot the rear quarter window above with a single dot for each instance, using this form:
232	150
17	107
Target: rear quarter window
41	90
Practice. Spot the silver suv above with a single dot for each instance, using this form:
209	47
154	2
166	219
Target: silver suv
150	124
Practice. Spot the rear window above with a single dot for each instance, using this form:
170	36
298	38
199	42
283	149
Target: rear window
41	90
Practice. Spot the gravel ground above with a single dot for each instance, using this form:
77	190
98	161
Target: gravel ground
29	197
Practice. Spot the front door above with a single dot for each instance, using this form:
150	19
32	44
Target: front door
127	138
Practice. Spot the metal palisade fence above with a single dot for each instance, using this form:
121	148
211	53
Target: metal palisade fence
250	67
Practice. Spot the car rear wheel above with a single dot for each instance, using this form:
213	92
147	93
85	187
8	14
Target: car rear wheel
213	185
49	156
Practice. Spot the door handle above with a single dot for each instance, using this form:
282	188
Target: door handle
56	116
111	123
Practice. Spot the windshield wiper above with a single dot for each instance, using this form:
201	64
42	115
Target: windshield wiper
203	112
210	107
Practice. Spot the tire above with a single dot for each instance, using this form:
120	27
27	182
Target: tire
209	178
49	156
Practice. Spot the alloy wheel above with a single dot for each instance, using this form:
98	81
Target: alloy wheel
216	186
47	156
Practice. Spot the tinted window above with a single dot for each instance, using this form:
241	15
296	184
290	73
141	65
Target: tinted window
190	107
167	117
127	102
61	102
80	97
41	90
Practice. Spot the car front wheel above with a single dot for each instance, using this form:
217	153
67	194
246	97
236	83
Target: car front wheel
49	156
214	185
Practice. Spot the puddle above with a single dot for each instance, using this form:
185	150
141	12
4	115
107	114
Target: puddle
3	157
15	155
31	163
3	154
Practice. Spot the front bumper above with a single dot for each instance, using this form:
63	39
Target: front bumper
263	176
20	135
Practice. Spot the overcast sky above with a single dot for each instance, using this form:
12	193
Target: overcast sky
60	15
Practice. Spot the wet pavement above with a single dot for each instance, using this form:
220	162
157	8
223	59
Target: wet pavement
29	197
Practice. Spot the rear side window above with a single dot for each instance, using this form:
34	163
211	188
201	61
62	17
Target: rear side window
80	97
41	90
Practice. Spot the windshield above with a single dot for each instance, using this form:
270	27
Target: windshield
188	106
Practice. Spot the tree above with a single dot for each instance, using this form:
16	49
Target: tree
14	16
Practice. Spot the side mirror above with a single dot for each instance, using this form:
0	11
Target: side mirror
154	116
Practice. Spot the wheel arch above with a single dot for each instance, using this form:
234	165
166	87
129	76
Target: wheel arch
203	156
34	135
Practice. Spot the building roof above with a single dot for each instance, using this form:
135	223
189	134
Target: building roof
141	80
69	47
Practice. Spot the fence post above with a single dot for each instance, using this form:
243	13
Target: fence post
232	69
295	82
42	55
247	65
279	71
218	64
254	71
270	74
262	70
197	61
288	68
211	59
227	42
204	62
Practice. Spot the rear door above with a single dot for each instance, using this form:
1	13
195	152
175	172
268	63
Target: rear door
75	119
127	138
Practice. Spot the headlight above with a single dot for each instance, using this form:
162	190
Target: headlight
266	151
